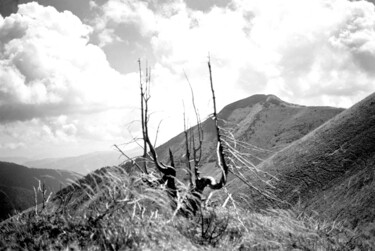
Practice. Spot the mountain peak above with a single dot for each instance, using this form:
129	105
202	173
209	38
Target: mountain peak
271	98
251	101
329	171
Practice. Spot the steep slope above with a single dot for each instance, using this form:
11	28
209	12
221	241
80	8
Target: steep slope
285	123
14	199
264	121
92	213
330	170
82	164
17	185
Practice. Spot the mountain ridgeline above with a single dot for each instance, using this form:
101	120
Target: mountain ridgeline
264	121
82	164
17	185
321	159
330	171
311	187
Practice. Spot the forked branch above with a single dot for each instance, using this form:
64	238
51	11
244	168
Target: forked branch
210	181
168	172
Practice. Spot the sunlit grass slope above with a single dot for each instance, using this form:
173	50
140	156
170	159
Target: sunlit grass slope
110	210
330	171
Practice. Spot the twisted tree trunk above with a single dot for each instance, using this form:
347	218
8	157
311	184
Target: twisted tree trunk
168	172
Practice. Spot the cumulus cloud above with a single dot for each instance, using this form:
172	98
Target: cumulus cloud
310	52
113	13
60	85
11	146
64	135
49	68
314	43
58	93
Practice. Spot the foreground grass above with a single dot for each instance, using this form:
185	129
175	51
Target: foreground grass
112	211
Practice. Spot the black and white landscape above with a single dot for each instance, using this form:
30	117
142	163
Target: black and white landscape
187	125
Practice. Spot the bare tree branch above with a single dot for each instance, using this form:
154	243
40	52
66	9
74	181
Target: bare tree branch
130	159
168	172
193	143
187	152
143	117
210	181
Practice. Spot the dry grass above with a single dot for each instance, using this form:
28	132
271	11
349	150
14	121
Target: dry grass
115	211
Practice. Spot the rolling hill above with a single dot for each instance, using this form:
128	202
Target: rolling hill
17	185
330	171
263	121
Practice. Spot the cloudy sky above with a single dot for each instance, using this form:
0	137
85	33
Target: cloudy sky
69	78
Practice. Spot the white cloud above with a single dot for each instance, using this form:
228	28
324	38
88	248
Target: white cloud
115	12
12	146
66	134
308	52
58	93
48	67
300	50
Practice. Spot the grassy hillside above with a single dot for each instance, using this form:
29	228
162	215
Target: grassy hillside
322	187
110	210
14	199
264	121
17	185
330	171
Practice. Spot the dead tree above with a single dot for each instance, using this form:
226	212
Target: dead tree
144	96
168	172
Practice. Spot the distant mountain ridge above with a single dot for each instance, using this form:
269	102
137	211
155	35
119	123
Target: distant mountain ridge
17	185
82	164
17	160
